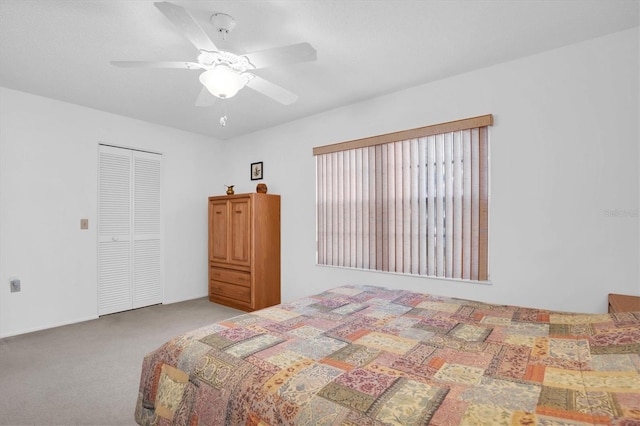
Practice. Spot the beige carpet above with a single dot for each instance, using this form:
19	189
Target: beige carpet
88	373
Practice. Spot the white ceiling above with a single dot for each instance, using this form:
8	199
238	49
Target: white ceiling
61	49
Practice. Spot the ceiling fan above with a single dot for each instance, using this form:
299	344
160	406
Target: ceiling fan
225	73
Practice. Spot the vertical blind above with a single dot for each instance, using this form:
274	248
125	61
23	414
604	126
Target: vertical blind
412	202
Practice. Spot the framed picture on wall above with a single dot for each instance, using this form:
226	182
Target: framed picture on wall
256	171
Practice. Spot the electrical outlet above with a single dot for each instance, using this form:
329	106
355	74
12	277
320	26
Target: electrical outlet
15	285
84	223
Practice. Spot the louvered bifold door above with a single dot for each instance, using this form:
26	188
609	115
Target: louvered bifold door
114	230
129	230
147	241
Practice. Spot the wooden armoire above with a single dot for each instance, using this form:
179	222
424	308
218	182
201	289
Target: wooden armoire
244	250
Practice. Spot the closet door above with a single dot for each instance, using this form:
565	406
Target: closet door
129	230
147	247
114	230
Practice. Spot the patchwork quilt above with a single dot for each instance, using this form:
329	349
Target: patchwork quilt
362	355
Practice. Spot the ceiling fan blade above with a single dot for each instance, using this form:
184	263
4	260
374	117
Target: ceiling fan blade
301	52
271	90
157	64
205	98
187	25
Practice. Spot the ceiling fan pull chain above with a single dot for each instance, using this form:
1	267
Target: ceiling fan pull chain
223	115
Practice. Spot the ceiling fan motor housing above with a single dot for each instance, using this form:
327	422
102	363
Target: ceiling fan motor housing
235	62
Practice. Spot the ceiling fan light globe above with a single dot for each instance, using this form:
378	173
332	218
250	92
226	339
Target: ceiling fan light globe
223	82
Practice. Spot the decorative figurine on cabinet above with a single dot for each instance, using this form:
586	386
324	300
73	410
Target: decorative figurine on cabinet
261	188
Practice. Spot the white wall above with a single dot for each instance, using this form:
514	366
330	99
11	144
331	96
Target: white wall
564	226
48	182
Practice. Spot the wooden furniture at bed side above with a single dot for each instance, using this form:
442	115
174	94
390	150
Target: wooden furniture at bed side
623	303
244	250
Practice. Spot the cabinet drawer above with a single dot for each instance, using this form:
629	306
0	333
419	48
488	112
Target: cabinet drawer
231	291
230	276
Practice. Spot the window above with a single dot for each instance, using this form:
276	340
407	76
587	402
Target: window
413	202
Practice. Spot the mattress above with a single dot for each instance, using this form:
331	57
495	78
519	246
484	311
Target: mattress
364	355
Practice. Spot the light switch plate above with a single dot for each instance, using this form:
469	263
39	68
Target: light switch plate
84	223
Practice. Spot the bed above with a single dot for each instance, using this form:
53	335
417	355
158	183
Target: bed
364	355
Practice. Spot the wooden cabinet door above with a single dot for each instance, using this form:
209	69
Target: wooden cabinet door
218	237
240	231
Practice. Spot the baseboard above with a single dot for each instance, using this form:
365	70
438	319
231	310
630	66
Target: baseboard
31	330
168	302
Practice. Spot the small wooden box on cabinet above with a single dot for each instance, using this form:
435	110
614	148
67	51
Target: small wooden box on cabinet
244	250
